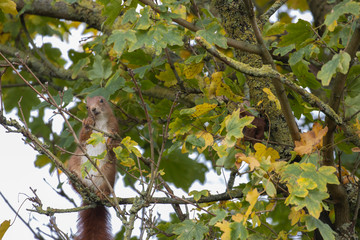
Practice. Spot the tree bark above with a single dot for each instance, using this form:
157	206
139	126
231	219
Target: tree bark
234	18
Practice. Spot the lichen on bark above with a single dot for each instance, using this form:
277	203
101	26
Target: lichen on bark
236	23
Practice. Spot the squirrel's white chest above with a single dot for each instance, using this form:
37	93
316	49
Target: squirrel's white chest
94	151
100	147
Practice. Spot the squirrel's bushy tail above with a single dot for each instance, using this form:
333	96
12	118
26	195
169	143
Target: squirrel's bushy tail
93	224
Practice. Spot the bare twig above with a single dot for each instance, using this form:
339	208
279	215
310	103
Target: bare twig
36	235
150	130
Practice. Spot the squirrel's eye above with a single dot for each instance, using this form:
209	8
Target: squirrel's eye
101	100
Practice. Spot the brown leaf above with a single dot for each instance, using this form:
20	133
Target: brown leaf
310	141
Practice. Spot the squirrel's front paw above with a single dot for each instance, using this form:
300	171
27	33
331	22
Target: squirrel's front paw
89	121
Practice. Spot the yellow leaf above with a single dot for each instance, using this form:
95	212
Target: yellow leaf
251	160
185	54
228	52
190	71
295	216
190	17
215	81
238	217
357	126
183	149
332	26
209	140
256	221
181	10
4	227
220	150
127	162
263	151
225	227
203	108
167	76
272	97
282	235
8	6
251	197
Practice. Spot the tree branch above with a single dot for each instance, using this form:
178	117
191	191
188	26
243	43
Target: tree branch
267	71
228	195
279	88
37	66
278	4
90	14
338	192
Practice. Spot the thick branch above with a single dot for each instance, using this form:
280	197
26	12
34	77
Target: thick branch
338	192
279	88
37	65
267	71
241	45
89	14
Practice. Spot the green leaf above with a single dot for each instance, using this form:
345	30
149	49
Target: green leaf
120	38
115	83
306	78
130	16
96	138
234	127
339	63
297	33
220	215
144	21
212	35
325	230
269	187
282	51
78	66
193	140
41	161
322	176
189	229
238	231
181	170
112	10
101	69
131	146
275	29
195	59
313	202
142	40
344	7
197	194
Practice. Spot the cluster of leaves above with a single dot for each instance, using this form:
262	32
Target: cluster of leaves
206	120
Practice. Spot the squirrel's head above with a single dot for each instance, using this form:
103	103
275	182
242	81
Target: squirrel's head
98	107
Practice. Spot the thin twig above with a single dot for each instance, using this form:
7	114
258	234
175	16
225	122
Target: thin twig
179	81
36	235
148	119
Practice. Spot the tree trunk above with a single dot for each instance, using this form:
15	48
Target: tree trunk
235	21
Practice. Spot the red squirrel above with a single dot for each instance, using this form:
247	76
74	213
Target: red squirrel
93	223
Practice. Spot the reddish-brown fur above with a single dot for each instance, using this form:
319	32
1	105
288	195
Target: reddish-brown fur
93	223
